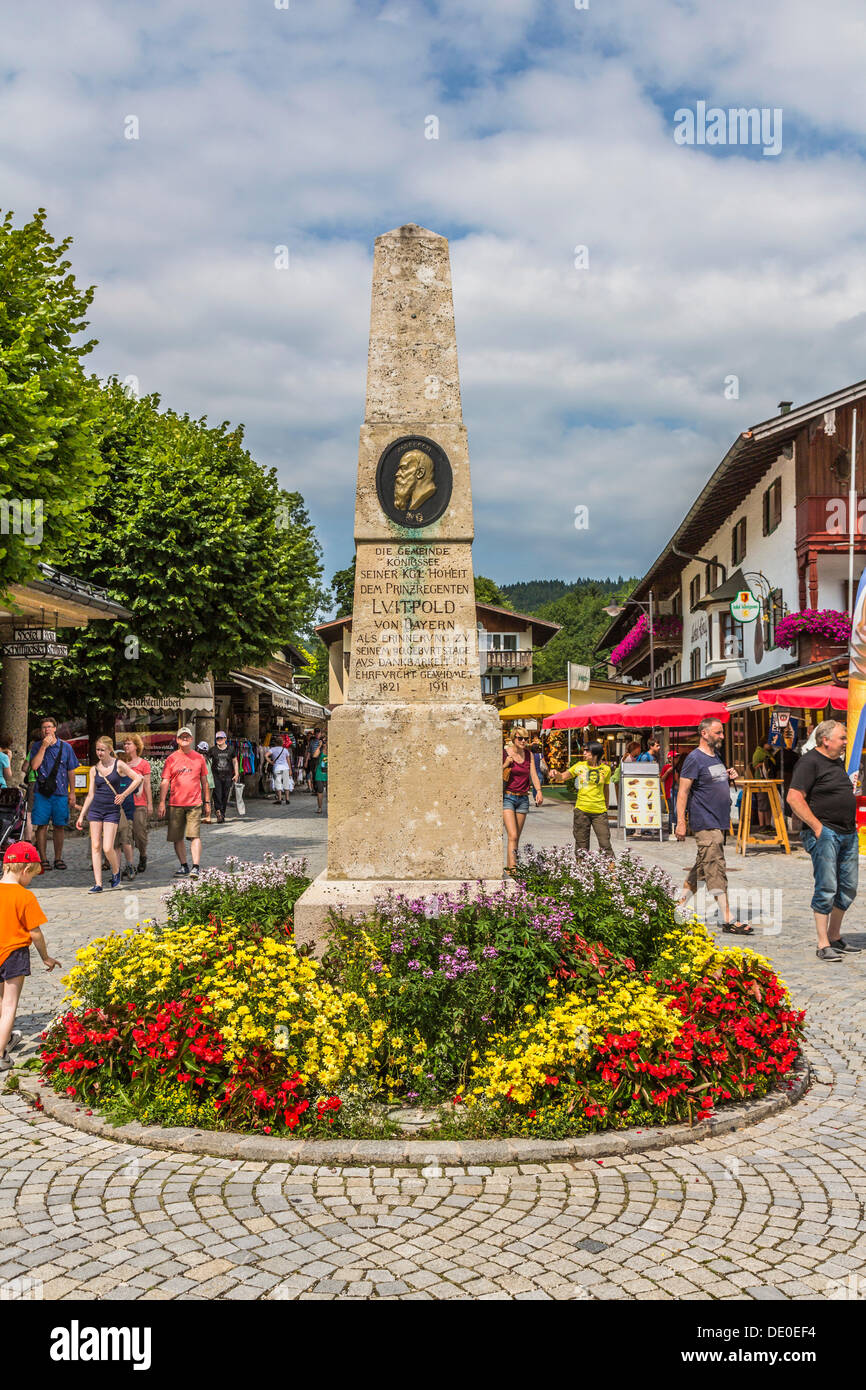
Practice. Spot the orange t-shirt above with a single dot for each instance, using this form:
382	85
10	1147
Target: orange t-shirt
20	914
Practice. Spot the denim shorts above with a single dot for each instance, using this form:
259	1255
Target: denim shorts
835	863
16	963
510	802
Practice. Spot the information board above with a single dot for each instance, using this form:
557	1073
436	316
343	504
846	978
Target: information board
640	798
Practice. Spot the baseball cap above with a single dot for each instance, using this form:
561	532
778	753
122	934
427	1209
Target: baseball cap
184	730
202	747
221	733
22	853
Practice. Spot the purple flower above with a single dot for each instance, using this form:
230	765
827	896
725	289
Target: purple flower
413	965
376	967
428	974
490	953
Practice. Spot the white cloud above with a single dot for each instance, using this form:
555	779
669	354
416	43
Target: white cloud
305	127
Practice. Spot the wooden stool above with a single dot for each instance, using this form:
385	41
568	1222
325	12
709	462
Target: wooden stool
771	786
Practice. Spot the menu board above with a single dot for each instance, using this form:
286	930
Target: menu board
640	800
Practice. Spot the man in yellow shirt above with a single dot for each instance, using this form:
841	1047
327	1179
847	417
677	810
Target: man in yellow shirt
591	777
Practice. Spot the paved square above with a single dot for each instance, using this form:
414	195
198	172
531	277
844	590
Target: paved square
774	1211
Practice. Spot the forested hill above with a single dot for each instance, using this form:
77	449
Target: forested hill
577	607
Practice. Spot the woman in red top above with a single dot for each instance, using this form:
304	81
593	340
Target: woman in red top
518	776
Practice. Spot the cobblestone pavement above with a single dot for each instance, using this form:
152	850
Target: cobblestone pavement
774	1211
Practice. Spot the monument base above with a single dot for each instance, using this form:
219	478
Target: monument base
356	898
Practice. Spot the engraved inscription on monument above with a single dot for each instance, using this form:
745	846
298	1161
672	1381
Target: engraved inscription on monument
413	481
413	636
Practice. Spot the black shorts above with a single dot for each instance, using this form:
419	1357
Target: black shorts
16	963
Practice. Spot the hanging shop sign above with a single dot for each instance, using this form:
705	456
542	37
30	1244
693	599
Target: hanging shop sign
35	644
745	607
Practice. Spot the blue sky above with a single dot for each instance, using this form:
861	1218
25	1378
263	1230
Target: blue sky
603	386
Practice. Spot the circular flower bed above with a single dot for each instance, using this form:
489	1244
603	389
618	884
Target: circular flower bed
574	1003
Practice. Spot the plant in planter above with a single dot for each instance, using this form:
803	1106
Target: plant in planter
824	627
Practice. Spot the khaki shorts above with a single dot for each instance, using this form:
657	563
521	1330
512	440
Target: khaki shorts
183	821
135	831
710	862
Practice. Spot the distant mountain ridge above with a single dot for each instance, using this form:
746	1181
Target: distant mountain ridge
577	607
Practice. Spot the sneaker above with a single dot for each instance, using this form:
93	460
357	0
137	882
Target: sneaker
97	888
129	871
828	955
115	880
182	871
5	1062
15	1040
194	871
845	946
142	864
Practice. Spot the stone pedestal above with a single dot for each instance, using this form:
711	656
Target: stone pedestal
414	755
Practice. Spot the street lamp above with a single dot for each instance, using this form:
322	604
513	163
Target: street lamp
613	610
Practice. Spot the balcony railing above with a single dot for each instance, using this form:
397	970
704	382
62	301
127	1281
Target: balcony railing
505	661
824	519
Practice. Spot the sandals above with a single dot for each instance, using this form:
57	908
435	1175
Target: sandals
738	929
60	864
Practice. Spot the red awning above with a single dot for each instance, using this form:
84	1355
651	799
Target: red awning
674	713
807	697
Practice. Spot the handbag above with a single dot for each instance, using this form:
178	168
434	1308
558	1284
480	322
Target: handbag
239	798
46	784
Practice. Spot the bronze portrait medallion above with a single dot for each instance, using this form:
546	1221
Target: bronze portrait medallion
413	481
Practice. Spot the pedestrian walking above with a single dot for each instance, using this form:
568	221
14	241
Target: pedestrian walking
51	760
184	783
652	753
21	920
518	776
320	773
822	797
312	754
704	794
205	750
106	791
6	761
281	770
591	776
133	829
224	767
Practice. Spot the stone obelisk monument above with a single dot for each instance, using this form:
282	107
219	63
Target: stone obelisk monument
414	754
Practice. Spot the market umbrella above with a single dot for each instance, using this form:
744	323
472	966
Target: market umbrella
807	697
673	713
534	707
600	716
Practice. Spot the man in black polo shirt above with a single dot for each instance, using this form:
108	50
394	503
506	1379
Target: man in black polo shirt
822	796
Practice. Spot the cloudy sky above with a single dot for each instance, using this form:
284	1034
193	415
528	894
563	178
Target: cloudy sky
600	385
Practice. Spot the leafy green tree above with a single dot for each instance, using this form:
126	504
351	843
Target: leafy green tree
217	563
579	613
343	589
50	461
487	591
318	670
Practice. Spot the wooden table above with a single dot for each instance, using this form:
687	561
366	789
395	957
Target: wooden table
751	786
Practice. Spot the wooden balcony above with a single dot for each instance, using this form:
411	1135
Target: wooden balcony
822	522
505	661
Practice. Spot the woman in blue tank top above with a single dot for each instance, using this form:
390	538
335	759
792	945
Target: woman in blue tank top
102	808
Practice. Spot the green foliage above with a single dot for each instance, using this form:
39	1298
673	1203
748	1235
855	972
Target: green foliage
218	564
49	451
580	615
244	893
628	911
486	591
343	589
318	685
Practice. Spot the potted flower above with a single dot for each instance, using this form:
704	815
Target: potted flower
818	633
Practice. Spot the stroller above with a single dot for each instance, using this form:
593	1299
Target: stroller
13	815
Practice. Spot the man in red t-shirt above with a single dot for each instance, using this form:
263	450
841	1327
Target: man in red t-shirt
184	780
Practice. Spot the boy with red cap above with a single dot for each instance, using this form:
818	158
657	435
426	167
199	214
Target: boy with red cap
21	918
